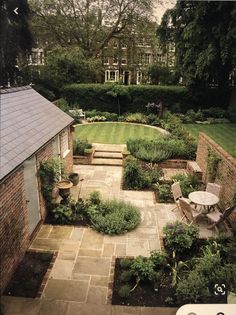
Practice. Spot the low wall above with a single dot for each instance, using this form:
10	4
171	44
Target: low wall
226	172
173	164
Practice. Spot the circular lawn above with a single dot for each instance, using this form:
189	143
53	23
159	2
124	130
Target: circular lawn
116	133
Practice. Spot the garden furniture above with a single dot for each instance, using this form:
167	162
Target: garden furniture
177	194
190	213
204	199
217	217
214	188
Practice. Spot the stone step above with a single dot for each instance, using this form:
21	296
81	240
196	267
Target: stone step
112	150
103	161
109	155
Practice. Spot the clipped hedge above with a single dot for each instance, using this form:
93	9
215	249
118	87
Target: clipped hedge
135	97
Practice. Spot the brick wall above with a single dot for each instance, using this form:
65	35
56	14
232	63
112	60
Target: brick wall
14	233
226	173
68	159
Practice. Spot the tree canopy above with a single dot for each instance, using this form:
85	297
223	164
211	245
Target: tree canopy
204	33
88	24
15	37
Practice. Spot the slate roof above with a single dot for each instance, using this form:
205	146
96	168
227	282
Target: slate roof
27	122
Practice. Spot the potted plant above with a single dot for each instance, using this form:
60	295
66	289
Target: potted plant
74	178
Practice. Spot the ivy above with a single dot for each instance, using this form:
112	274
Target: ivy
50	171
212	164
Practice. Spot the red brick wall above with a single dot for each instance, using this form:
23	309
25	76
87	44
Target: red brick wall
14	233
226	173
68	159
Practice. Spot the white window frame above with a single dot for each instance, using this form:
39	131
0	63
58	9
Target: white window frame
106	60
65	143
139	77
124	61
123	46
115	61
108	76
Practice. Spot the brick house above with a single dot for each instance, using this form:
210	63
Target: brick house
32	130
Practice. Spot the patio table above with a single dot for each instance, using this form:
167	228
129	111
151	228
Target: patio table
204	199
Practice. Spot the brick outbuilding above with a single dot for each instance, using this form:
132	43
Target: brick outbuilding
32	130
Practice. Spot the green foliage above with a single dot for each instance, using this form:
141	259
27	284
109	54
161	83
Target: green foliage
79	146
44	91
112	216
107	115
161	75
62	104
159	259
63	215
136	118
213	161
163	191
179	236
134	177
95	198
125	263
188	183
96	118
49	172
126	275
124	291
143	268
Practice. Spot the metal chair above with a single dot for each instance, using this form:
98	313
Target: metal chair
214	189
177	194
217	217
190	213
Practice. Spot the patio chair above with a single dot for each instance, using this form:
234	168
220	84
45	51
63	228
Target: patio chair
190	213
214	189
177	194
217	217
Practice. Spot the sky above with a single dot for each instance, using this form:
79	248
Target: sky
161	6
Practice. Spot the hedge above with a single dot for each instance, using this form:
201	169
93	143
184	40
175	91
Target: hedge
135	97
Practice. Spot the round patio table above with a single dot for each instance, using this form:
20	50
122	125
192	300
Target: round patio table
204	199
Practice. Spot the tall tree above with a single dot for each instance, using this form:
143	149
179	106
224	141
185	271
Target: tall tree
15	37
205	36
90	24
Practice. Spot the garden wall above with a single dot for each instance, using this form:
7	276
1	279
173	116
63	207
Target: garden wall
226	171
133	98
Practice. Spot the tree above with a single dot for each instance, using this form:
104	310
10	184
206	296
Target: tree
15	37
204	35
161	75
90	24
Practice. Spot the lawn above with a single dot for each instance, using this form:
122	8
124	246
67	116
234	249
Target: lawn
223	134
114	132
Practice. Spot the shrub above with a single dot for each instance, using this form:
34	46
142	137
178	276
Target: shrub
163	192
188	183
96	118
179	236
113	217
107	115
143	268
136	118
134	177
159	259
95	198
126	275
79	146
63	215
124	291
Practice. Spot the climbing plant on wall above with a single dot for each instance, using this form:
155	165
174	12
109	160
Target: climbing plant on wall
213	161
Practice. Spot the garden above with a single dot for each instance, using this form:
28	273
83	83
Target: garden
186	271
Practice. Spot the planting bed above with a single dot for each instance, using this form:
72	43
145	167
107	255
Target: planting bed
29	277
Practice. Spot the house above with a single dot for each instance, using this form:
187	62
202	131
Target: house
32	130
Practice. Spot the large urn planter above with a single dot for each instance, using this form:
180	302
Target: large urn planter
64	189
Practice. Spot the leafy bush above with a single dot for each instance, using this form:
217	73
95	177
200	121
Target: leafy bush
125	263
188	183
96	118
107	115
163	192
126	275
124	291
143	268
112	216
134	177
136	118
159	259
79	146
63	215
95	198
179	236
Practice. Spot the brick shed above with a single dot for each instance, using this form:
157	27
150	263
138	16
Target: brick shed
32	130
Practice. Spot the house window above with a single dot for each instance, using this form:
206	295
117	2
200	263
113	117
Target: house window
124	61
115	61
64	143
111	75
172	47
147	59
123	46
139	77
106	60
115	45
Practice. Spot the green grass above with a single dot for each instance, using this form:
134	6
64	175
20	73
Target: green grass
223	134
114	132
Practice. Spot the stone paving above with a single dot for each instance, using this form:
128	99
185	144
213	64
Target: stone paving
81	279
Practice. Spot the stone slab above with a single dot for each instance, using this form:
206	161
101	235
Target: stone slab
136	247
66	290
89	253
105	154
60	232
97	295
113	162
62	269
108	250
125	310
52	307
46	244
44	231
92	240
99	281
88	309
92	266
77	234
19	306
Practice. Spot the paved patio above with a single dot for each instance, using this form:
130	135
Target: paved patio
81	279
